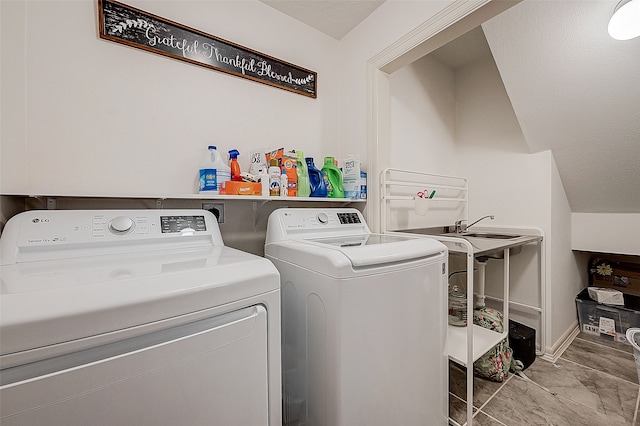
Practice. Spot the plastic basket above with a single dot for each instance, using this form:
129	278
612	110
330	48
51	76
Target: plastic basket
633	337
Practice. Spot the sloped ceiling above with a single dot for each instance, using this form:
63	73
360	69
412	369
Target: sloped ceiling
574	89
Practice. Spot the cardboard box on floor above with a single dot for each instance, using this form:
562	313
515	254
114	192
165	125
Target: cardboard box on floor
619	272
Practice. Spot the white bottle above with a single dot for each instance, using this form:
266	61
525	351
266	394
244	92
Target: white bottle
274	178
284	184
208	173
264	181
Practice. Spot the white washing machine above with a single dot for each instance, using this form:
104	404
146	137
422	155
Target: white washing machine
363	321
135	317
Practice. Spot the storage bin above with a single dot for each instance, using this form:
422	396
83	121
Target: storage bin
608	322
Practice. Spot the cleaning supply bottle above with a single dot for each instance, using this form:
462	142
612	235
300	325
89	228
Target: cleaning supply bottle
264	181
213	172
274	178
316	181
304	189
223	172
234	165
333	177
290	165
284	183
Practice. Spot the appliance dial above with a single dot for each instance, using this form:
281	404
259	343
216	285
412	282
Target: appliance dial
323	218
121	225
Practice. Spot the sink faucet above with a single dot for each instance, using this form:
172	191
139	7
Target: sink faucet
460	228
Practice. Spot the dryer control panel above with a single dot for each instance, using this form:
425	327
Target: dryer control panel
58	234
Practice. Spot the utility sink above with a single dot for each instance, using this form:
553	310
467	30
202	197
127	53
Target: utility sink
485	244
482	235
488	235
498	254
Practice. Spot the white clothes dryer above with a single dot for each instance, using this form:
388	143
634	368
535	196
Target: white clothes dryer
363	321
135	317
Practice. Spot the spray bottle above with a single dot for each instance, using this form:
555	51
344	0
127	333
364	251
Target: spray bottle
234	165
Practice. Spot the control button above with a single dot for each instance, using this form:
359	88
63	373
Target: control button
121	225
322	218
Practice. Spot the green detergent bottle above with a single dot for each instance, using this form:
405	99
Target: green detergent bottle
333	178
304	187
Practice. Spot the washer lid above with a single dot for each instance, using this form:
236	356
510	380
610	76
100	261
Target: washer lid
379	249
49	302
356	256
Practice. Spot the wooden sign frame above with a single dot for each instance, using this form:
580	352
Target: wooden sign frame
127	25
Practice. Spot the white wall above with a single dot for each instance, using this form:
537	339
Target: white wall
566	279
13	173
387	24
88	116
423	120
503	179
606	232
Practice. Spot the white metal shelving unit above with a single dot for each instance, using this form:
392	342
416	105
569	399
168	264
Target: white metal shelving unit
464	344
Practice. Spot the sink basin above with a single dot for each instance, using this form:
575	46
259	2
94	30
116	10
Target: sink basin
499	254
489	235
513	251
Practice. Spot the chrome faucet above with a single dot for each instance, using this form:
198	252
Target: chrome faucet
460	228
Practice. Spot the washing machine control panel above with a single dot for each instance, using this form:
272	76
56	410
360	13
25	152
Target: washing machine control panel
349	218
179	223
299	223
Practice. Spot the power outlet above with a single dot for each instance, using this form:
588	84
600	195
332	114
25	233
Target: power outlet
216	208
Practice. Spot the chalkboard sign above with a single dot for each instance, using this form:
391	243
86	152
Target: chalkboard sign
133	27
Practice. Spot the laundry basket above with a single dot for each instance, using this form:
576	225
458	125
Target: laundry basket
633	337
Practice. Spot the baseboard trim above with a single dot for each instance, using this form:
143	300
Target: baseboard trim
552	354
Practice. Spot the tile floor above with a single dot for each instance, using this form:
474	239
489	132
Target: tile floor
595	382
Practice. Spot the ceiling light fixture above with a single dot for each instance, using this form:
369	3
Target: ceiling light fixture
625	22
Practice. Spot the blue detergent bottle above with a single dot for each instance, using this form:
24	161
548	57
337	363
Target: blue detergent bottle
316	179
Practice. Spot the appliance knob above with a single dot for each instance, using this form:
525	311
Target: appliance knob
323	218
121	225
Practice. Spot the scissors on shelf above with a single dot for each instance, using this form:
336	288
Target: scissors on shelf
425	194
